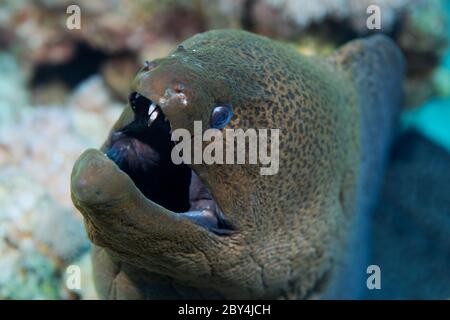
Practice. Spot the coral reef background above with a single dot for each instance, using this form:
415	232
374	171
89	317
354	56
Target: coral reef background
61	90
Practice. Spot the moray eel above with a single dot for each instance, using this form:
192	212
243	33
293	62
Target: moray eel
170	231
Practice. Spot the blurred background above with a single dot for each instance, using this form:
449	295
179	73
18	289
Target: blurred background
61	90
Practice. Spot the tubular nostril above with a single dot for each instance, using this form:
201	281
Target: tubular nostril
149	65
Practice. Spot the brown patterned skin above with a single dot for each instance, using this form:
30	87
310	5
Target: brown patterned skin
291	227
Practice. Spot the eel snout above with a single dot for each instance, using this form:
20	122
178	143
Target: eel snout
117	215
90	172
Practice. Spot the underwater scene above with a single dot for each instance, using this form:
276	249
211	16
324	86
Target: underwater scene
224	149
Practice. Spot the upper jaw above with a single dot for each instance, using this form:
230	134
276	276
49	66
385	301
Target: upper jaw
134	148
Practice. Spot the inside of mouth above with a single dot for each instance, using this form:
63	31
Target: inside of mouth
142	149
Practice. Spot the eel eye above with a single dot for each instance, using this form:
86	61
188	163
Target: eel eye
220	116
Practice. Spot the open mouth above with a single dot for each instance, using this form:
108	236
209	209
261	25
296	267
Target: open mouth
142	149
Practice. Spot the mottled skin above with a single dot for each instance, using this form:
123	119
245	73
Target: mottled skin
292	227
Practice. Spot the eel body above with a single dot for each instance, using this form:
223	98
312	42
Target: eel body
165	230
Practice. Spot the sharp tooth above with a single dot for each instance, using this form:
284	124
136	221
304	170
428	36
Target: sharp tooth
153	116
151	108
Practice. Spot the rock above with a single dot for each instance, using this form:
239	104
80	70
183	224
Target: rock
304	13
92	110
118	72
27	271
50	93
12	90
40	231
423	36
91	96
148	29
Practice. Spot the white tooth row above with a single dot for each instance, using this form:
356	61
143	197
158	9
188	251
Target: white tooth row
152	112
151	108
153	116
